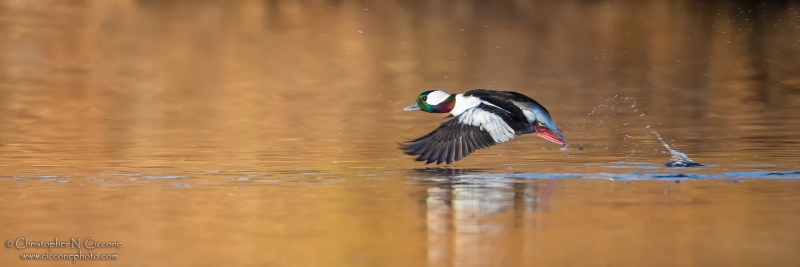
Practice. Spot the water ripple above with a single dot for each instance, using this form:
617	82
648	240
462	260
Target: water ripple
781	175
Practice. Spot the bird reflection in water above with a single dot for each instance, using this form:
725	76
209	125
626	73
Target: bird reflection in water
468	216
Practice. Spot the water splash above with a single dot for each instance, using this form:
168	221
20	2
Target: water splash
678	159
597	111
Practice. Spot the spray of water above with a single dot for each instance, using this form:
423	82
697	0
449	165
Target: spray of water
678	159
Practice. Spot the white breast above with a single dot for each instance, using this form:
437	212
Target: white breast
464	103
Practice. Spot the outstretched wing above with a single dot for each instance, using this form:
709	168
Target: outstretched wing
476	128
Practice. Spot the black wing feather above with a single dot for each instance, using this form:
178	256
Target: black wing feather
453	140
503	99
449	143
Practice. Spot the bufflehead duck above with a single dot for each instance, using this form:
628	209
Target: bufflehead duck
480	119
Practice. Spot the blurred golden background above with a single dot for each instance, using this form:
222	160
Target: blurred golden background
263	133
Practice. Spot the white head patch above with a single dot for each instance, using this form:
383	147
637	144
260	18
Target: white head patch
436	97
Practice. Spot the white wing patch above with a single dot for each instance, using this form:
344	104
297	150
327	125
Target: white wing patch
535	113
489	122
529	115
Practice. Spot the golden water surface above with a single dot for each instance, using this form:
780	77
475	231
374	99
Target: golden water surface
264	133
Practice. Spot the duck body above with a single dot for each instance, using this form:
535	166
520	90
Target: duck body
478	119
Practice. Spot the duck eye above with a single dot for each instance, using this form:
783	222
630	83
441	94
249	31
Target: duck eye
425	98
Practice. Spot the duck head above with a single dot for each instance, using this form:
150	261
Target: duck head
434	101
